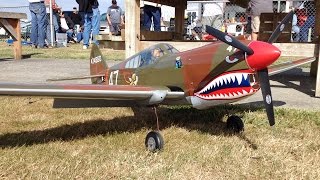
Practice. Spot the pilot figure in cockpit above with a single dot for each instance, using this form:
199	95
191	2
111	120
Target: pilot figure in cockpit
156	53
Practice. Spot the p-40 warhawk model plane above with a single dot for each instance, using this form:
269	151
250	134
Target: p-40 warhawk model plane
217	73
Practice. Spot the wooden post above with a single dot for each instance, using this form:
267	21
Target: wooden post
317	93
17	47
11	23
314	65
132	29
315	70
179	19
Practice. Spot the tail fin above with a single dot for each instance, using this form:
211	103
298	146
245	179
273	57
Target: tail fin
98	65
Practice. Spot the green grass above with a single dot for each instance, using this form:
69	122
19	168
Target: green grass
108	143
74	51
38	142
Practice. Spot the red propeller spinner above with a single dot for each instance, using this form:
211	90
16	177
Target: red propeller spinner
264	55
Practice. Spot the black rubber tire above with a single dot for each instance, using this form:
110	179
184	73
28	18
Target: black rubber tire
154	141
235	124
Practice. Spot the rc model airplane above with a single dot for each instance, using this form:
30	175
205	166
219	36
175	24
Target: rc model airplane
217	73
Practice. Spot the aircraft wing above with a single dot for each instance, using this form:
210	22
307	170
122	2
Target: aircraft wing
148	95
289	65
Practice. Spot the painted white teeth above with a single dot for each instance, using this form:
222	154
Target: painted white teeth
233	78
245	76
244	92
221	82
239	78
225	80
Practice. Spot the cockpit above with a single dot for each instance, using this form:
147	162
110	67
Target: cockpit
150	56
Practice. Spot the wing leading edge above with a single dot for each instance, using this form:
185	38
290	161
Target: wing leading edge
276	69
150	95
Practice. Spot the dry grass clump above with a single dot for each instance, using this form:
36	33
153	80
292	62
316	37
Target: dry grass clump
108	143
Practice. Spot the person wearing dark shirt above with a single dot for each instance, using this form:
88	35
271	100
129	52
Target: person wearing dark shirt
76	17
91	14
66	26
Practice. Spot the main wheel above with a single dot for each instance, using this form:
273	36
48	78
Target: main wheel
154	141
235	124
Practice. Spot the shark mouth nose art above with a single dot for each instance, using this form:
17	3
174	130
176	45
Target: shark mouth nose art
230	85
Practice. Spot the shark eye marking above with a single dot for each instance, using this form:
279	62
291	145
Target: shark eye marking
231	60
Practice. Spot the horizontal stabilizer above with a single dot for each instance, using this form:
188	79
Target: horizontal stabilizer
276	69
76	78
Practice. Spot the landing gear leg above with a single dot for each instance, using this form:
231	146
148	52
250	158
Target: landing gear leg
235	124
154	140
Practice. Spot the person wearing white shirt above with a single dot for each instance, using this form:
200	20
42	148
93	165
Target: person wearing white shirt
38	23
66	26
213	15
295	29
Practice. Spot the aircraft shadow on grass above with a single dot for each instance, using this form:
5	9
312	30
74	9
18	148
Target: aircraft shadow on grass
209	121
305	83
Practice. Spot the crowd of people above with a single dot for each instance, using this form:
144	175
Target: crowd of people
84	22
303	18
82	25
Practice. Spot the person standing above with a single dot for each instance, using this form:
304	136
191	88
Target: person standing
91	14
309	22
255	8
38	23
55	9
114	17
212	15
151	15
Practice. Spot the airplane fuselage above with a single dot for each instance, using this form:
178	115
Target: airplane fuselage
210	75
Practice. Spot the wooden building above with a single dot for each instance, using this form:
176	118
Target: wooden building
137	39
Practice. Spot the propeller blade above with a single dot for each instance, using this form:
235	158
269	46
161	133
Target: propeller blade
228	40
266	93
276	33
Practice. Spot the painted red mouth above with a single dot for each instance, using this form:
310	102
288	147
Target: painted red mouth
231	85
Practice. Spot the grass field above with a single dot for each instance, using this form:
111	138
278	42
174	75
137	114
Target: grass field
38	142
74	51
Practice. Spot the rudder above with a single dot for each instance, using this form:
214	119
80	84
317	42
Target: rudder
98	65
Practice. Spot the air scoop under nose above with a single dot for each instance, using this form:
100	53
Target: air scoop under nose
264	55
